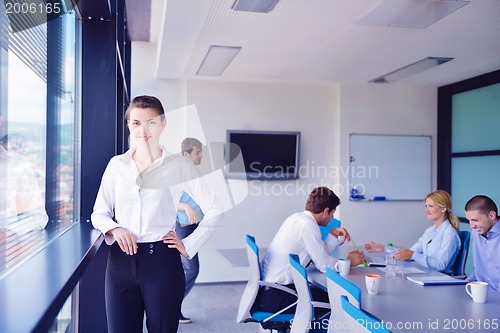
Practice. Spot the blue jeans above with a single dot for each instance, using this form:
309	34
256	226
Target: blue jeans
191	266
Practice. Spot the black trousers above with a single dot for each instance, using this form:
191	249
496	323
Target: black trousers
150	281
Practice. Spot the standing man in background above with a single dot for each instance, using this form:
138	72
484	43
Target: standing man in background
189	215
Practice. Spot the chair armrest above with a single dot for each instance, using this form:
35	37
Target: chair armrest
322	305
278	286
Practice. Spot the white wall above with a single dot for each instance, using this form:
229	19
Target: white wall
257	106
386	109
325	115
143	78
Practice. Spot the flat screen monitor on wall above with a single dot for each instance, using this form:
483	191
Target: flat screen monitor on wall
265	155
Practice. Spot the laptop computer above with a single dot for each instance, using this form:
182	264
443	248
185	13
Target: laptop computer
375	261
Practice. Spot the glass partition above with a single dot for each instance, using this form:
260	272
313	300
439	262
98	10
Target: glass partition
468	144
475	120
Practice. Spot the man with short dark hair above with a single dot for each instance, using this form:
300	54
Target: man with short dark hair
482	213
300	234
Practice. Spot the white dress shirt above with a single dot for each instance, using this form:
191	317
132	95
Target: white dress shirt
299	234
147	205
485	250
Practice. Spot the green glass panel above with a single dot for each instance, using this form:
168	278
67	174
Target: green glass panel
476	120
471	176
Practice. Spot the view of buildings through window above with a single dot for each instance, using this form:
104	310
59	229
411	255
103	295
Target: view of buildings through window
39	143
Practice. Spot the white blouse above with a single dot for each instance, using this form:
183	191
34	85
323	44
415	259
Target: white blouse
147	205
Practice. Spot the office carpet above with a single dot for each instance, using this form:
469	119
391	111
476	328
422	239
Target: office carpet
213	308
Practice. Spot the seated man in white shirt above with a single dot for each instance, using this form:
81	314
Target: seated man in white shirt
300	234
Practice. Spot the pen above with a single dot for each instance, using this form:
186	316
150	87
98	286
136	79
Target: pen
356	248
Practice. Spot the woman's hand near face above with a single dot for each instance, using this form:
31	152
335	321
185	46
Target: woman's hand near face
174	242
125	239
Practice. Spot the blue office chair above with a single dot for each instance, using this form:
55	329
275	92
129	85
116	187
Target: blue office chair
463	252
356	320
338	286
325	230
248	311
305	316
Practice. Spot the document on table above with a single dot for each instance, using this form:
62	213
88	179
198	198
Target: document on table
407	270
435	280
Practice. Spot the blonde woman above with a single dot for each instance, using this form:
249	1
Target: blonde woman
438	247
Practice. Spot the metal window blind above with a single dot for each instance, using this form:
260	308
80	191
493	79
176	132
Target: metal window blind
25	34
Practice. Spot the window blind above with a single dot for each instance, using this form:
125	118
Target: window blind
25	34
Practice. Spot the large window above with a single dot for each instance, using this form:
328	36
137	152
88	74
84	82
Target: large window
39	144
469	139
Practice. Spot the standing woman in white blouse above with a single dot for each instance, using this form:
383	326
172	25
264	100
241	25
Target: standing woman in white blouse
135	209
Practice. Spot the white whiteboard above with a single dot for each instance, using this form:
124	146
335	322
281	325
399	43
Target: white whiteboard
397	167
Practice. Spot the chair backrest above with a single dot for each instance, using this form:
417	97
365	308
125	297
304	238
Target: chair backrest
305	310
325	230
252	288
338	286
246	310
461	260
356	320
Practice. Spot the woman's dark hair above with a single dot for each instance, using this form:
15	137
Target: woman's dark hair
145	102
321	198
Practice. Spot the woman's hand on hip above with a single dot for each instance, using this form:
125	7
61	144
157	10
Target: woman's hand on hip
174	242
125	239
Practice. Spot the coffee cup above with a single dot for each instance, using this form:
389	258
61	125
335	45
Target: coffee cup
478	291
372	283
343	266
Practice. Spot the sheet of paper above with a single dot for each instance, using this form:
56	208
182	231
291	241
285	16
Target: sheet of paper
413	270
407	270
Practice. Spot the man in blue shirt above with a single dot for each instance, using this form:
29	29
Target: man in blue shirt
482	214
188	216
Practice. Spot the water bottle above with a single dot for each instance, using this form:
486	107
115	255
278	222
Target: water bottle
390	260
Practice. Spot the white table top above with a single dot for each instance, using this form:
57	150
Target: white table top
409	307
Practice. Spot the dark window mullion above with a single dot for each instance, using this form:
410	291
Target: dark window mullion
476	153
55	77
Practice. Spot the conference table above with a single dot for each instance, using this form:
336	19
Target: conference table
405	306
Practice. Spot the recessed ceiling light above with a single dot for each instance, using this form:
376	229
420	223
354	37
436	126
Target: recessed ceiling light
417	14
256	6
217	59
411	69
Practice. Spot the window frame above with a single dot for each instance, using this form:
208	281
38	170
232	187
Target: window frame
444	142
